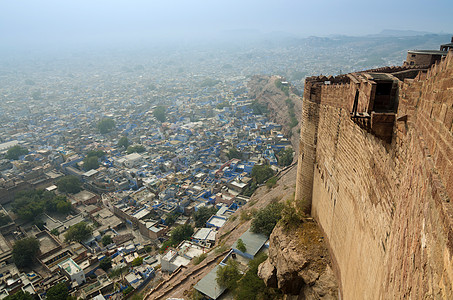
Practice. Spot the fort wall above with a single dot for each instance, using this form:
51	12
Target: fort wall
384	205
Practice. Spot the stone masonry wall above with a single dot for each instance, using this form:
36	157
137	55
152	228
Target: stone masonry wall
385	208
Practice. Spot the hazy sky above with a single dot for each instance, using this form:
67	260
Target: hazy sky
24	22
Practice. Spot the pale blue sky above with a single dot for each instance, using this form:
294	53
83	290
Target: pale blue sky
27	21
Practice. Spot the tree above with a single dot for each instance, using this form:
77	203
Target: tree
165	245
105	125
20	295
105	263
229	275
209	82
106	240
290	216
285	157
160	113
181	233
90	163
24	251
4	219
137	261
250	286
135	148
64	207
223	104
271	182
123	142
241	246
96	153
171	218
15	152
28	205
69	184
258	108
234	153
198	259
266	219
78	232
261	173
58	292
248	191
203	214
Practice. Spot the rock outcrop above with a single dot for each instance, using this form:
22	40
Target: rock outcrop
299	263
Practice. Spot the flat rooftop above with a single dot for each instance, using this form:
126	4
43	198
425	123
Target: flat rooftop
46	243
432	52
84	195
202	233
4	246
70	266
169	255
253	242
194	252
180	261
217	221
7	145
208	285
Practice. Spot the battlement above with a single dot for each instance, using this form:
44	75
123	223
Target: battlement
340	79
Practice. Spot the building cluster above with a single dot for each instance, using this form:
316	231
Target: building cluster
202	155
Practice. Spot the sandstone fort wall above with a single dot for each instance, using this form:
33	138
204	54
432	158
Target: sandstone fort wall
384	205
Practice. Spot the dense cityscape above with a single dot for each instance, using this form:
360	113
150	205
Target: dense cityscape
119	170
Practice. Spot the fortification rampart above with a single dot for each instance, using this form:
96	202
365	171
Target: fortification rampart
376	171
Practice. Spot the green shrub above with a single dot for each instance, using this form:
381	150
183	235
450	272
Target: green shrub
15	152
137	261
265	219
271	182
105	125
198	259
261	173
241	246
290	216
78	232
228	275
128	290
285	157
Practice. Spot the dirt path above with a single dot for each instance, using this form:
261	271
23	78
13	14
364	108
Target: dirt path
184	276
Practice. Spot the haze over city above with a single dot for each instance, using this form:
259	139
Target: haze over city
37	24
226	149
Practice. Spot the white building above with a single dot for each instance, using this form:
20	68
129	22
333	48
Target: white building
5	146
172	260
73	271
133	160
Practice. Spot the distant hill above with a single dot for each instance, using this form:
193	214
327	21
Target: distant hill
400	33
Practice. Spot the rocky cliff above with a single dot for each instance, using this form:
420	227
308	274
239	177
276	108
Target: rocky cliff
299	263
265	91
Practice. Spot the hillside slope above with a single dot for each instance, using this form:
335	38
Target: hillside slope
265	91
